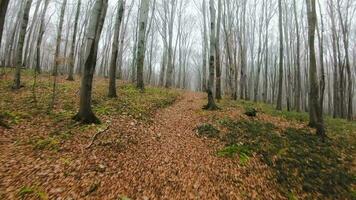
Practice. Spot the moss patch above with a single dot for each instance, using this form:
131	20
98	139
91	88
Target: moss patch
34	192
207	130
302	162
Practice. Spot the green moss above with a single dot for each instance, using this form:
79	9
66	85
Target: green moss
251	112
207	130
32	191
15	117
50	143
302	161
242	151
124	198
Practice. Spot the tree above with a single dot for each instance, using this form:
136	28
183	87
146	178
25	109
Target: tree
141	46
204	46
57	51
280	82
31	32
40	36
94	29
59	38
298	87
315	113
211	102
170	57
74	39
217	51
23	29
3	8
344	23
115	50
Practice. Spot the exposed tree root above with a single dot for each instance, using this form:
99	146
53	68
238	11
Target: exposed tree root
96	136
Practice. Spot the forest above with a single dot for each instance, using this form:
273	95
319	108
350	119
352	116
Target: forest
177	99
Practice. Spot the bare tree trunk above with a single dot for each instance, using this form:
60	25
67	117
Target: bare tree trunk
163	67
72	47
94	30
336	97
321	56
280	82
204	47
114	51
3	8
243	59
141	46
217	51
298	80
30	35
57	59
40	37
211	102
345	33
315	112
19	63
170	46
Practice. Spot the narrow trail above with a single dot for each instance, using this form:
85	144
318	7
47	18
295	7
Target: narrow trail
164	159
174	163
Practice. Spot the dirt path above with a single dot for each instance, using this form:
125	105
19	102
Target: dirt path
173	163
163	160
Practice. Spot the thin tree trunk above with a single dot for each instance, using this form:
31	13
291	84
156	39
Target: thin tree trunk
298	80
95	26
204	46
72	47
211	102
114	51
30	34
217	51
57	59
19	63
141	46
40	37
280	82
315	112
3	8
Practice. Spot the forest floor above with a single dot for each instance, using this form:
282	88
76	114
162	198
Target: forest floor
161	145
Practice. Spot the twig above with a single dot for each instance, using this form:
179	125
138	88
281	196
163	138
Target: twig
96	136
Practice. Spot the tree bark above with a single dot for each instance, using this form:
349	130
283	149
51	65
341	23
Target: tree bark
141	46
170	46
315	113
57	59
29	44
40	37
72	47
94	29
115	50
3	8
298	80
217	52
19	63
280	82
211	102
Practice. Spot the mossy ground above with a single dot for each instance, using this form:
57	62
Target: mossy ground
304	165
31	105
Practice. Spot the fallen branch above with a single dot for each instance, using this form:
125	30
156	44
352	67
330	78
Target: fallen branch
96	136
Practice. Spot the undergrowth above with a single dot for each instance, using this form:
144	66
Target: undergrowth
26	192
301	161
207	130
49	128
